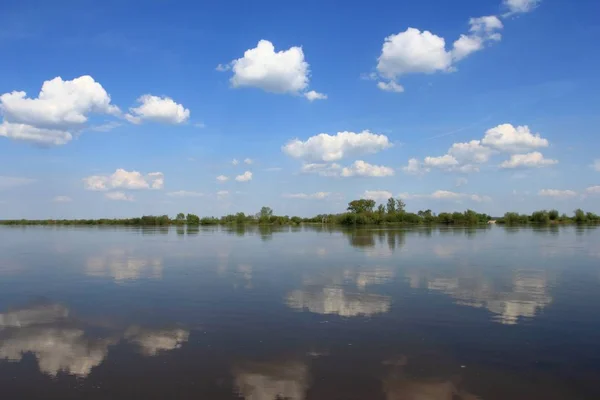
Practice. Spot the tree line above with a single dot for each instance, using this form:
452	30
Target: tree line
358	212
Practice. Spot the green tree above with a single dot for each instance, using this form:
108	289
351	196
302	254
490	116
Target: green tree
391	206
580	216
400	205
192	219
381	209
361	206
265	212
553	215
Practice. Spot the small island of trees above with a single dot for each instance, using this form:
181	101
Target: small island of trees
358	212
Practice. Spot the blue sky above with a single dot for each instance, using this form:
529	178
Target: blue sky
425	100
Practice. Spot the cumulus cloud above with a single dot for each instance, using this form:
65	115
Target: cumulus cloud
284	71
446	195
483	30
119	196
7	182
377	195
158	109
414	167
59	111
362	168
512	139
245	177
122	179
62	199
222	178
390	86
185	193
561	194
529	160
307	196
520	6
470	152
593	190
325	147
312	96
443	162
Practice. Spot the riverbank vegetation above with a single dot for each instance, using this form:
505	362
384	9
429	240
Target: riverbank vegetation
358	212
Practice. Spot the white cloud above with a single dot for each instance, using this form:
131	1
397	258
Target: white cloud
106	127
245	177
235	161
377	195
307	196
530	160
322	169
563	194
324	147
60	110
461	182
470	152
512	139
414	167
390	86
596	165
248	161
62	199
362	168
222	178
446	195
520	6
283	71
7	182
483	30
312	96
158	109
185	193
593	190
119	196
122	179
442	162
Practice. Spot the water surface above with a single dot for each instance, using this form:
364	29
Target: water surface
299	313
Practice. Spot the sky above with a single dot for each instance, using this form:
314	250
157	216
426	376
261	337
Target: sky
127	108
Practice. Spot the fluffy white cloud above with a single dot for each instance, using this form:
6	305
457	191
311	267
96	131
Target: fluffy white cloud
529	160
413	51
361	168
122	179
520	6
563	194
593	190
62	199
222	178
118	196
307	196
185	193
245	177
470	152
414	167
60	110
7	182
390	86
442	162
158	109
312	96
446	195
377	195
248	161
596	165
508	138
283	71
325	147
483	30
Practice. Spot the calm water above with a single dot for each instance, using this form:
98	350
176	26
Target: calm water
307	313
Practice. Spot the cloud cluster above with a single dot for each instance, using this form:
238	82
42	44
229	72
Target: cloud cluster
377	195
325	147
414	51
561	194
245	177
467	157
158	109
122	179
284	71
307	196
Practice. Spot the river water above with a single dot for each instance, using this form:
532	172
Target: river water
299	313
